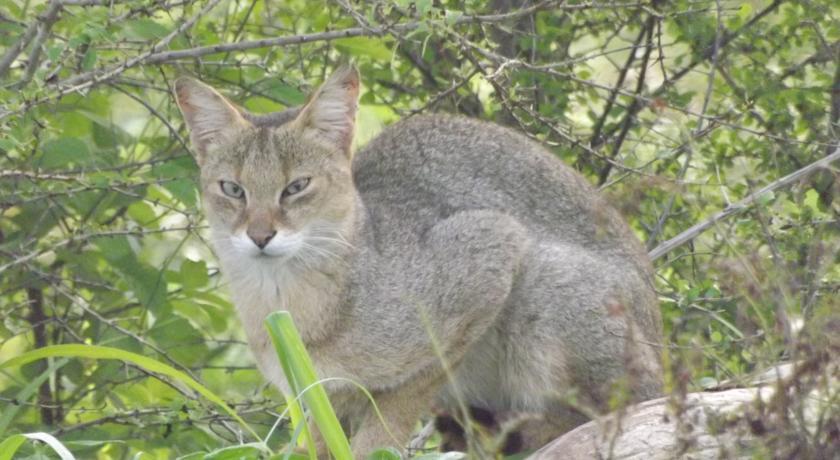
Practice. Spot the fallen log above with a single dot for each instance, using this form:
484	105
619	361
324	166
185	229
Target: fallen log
789	412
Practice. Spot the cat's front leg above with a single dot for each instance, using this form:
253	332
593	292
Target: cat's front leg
400	409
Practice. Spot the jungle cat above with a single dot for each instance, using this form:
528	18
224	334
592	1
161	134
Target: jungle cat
451	263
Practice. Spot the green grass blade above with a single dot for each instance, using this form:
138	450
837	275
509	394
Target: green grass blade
27	391
301	374
54	444
299	421
294	408
99	352
293	404
10	445
295	436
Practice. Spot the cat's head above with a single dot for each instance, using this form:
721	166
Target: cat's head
272	192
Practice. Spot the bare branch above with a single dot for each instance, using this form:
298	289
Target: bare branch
740	206
78	238
43	22
85	80
13	173
654	235
157	56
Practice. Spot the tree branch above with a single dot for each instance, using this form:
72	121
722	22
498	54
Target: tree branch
43	22
157	56
728	37
740	206
622	75
636	104
698	130
38	320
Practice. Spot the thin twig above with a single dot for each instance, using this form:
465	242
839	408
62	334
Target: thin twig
87	80
666	213
740	206
728	37
45	20
622	75
630	114
72	239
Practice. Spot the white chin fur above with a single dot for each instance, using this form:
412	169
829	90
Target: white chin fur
285	254
282	246
258	277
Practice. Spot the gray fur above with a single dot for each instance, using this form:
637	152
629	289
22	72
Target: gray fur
480	271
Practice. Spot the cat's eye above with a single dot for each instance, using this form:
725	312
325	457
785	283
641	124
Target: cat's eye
296	187
232	189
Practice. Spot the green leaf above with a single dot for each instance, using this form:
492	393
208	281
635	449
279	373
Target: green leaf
423	6
812	199
144	29
7	144
99	352
148	284
54	444
93	443
54	51
452	17
289	456
442	456
384	454
89	61
286	94
194	274
25	393
183	342
143	214
364	46
766	198
745	11
184	190
10	445
64	152
192	456
244	452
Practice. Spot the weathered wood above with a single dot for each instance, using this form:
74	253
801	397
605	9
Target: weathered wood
649	431
703	425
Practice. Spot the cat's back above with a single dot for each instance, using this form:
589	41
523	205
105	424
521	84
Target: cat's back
425	168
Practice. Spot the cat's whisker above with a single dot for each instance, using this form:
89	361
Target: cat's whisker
336	241
320	251
303	260
315	254
329	234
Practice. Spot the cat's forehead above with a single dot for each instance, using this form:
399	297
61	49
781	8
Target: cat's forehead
261	151
263	147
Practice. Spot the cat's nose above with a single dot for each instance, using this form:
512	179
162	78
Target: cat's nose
261	237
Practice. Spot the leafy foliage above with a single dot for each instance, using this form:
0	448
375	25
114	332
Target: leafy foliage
677	109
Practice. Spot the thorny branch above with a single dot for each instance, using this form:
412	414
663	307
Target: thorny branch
40	25
741	205
157	56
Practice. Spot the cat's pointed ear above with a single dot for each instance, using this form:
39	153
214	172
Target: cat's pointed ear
211	119
330	115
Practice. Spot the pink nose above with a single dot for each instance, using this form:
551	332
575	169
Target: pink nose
261	238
